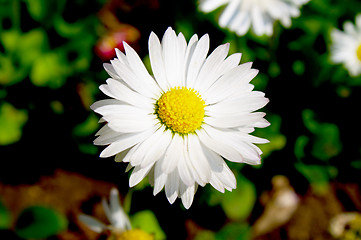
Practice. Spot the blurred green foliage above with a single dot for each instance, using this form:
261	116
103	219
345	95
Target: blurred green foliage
147	221
38	222
5	217
11	122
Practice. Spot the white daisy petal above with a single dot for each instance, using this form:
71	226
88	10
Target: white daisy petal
197	57
346	47
240	15
117	90
202	170
125	142
212	67
187	194
172	155
160	177
93	223
177	127
171	186
157	62
138	174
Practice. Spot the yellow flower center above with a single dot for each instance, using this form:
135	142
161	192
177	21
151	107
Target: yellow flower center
358	52
181	109
134	234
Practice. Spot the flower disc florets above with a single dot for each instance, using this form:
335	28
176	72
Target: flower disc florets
181	109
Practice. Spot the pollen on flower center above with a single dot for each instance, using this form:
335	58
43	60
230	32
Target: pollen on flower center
358	52
181	109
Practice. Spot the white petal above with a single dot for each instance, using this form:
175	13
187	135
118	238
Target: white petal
139	69
229	13
126	73
160	178
92	223
111	71
160	145
148	146
219	147
125	142
117	90
128	123
212	67
199	163
171	186
187	194
172	155
118	217
138	174
210	5
183	168
170	56
234	120
197	57
157	63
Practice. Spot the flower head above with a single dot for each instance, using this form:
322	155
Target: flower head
346	47
119	221
175	127
120	227
240	15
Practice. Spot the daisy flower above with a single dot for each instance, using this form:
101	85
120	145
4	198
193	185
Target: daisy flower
239	15
346	47
119	226
177	125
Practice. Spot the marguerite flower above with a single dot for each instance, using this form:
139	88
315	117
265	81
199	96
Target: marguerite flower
240	15
177	126
119	221
119	227
346	47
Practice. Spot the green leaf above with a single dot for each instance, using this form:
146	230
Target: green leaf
326	142
147	221
318	176
11	122
87	127
234	231
239	203
205	235
33	44
5	217
49	70
39	222
300	145
43	10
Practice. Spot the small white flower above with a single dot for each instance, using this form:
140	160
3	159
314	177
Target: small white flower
119	221
240	15
346	47
175	127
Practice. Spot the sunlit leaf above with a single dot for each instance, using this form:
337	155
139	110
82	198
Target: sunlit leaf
49	70
205	235
89	126
33	44
39	222
147	221
11	122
